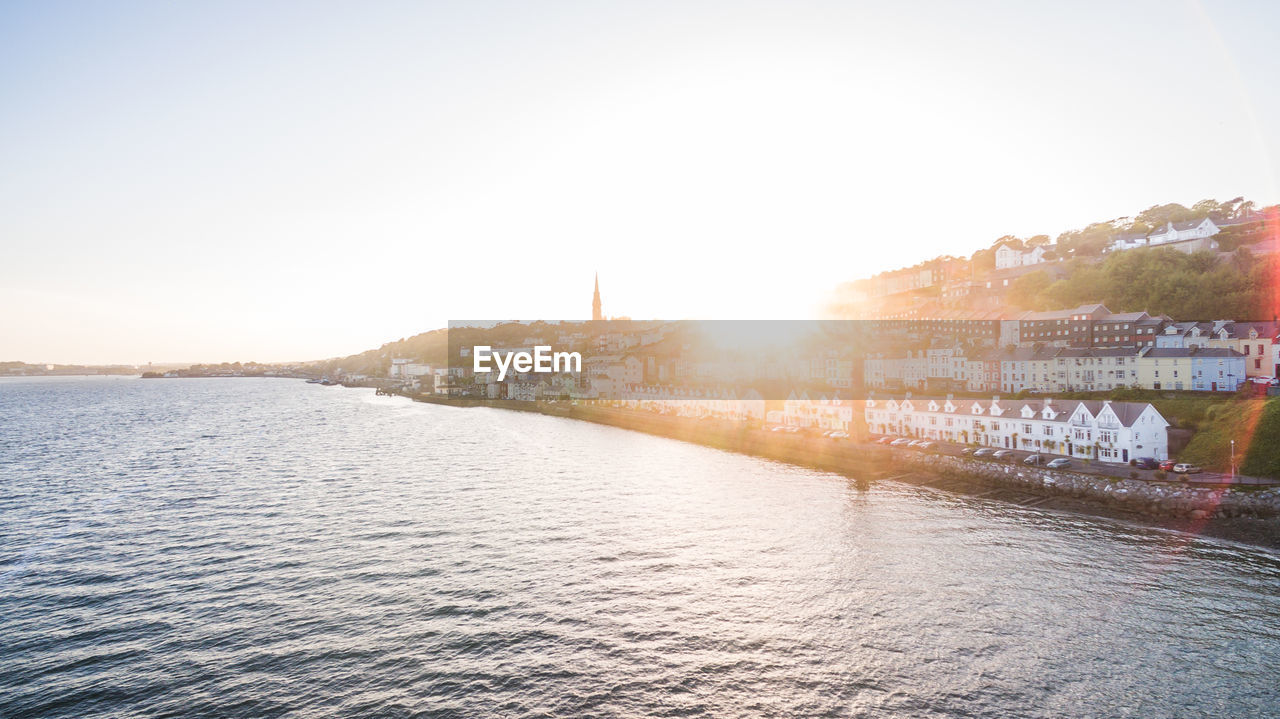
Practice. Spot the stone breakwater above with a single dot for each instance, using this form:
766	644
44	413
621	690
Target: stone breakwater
1128	495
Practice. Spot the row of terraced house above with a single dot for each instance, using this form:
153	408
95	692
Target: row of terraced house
1197	356
1098	430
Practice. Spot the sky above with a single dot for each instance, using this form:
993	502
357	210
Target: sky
278	181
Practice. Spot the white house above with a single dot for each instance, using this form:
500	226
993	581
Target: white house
1009	256
1182	231
1102	430
825	413
1188	236
684	402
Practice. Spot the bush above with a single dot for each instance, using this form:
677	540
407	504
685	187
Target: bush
1160	475
1133	475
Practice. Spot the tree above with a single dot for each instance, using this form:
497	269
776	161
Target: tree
1207	208
1014	242
1026	291
984	260
1158	215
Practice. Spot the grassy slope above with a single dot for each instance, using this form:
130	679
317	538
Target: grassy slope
1255	427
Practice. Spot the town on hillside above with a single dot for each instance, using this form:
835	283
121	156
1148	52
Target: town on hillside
1081	383
1213	259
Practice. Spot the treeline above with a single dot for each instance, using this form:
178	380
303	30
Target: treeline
429	347
432	347
1200	286
1093	239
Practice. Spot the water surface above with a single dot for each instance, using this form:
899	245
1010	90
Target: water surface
257	547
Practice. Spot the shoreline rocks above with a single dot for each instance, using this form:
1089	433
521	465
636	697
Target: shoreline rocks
1146	498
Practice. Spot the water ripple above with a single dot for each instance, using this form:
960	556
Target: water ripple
248	548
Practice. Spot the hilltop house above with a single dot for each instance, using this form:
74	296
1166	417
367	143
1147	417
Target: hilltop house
1009	256
1189	236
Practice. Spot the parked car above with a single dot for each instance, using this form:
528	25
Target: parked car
924	444
1003	454
1033	459
915	443
838	434
983	452
1167	465
1059	463
967	450
884	440
1146	463
1186	468
899	442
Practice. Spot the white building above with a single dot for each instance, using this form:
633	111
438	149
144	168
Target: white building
1009	256
1102	430
823	413
715	403
1189	236
1182	231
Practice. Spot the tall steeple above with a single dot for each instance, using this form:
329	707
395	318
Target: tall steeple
596	314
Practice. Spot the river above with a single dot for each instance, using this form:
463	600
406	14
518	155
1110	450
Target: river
265	547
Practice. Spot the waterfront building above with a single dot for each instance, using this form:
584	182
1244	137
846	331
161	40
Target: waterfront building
1188	334
1049	369
1087	369
1217	369
823	413
1255	341
1102	430
713	403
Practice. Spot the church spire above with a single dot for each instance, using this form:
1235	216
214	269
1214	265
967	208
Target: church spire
596	314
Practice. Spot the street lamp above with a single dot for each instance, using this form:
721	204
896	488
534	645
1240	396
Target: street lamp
1233	459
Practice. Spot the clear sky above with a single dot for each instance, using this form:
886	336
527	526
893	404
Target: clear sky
274	181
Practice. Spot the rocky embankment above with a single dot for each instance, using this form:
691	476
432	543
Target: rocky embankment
1129	495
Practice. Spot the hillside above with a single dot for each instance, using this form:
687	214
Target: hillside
1080	267
1200	286
430	347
